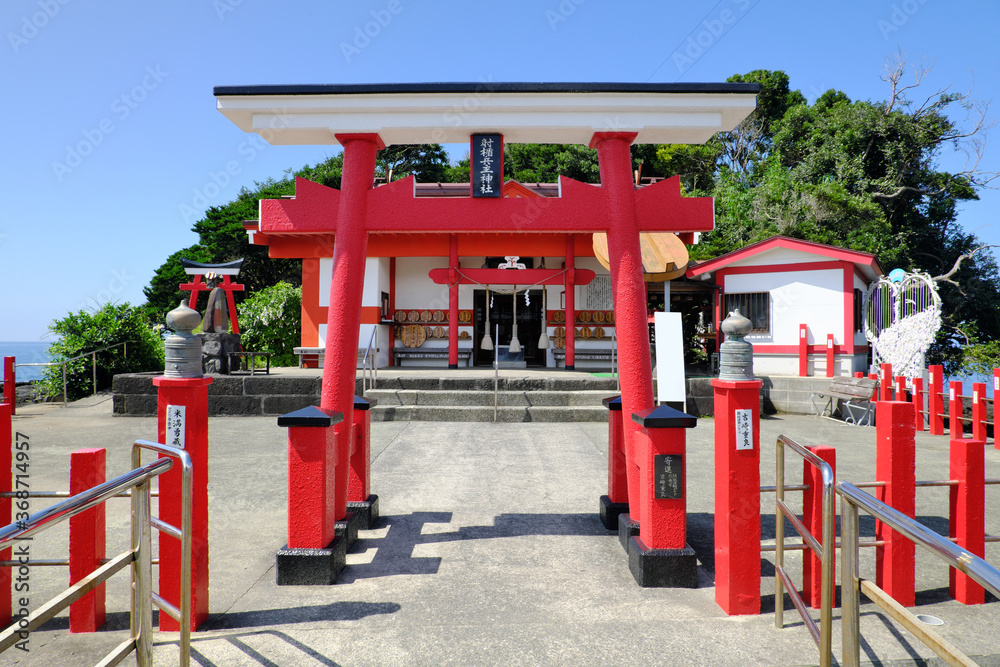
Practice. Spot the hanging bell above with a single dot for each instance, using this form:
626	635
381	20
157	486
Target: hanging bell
543	341
487	343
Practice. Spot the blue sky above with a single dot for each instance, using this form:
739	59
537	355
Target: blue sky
111	137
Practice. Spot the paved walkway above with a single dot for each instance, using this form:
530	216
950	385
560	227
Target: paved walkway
489	552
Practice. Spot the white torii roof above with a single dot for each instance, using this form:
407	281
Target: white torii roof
421	113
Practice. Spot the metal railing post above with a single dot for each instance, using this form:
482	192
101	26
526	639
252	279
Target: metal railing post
850	595
142	577
779	535
93	360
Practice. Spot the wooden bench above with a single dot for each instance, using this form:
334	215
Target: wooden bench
595	355
400	353
309	356
241	357
856	394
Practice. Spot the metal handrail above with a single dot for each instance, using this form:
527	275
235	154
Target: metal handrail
823	634
496	374
139	556
614	359
853	498
142	588
372	341
92	354
81	502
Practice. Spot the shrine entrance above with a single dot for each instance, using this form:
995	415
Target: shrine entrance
329	444
501	314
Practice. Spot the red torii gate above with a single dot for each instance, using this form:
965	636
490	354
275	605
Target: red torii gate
357	210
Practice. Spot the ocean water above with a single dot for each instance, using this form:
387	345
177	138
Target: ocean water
27	353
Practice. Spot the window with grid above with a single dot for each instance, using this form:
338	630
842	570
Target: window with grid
755	306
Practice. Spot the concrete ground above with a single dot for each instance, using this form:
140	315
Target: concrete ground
489	551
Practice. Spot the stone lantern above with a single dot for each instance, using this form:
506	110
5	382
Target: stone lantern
183	348
735	354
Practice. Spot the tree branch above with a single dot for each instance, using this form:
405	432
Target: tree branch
946	278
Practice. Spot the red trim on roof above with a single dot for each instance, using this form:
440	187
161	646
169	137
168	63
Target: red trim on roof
833	252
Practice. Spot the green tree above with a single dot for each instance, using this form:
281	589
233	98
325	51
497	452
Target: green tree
271	321
862	175
87	331
427	163
222	238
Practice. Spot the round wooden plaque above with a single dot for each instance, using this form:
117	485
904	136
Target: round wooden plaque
413	335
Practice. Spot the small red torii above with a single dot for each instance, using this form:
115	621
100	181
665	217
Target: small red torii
198	269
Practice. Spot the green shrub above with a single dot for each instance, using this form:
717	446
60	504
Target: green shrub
271	321
86	331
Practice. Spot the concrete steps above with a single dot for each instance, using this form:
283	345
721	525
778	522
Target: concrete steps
472	399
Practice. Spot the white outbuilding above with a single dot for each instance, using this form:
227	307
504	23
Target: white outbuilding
798	294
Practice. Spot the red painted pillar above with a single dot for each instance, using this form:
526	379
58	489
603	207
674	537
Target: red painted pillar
996	397
192	395
812	517
900	389
659	555
627	284
344	312
312	458
955	409
967	515
885	382
918	404
737	495
803	350
10	384
360	480
935	402
979	411
895	465
621	486
7	485
87	539
570	291
829	355
452	301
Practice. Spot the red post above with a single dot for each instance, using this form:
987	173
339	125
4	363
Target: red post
967	515
6	485
979	411
876	395
858	374
616	502
829	355
87	539
737	495
453	302
803	350
191	394
935	402
996	397
570	291
885	382
627	285
918	404
895	465
955	409
900	388
10	384
659	555
344	311
312	457
360	500
812	517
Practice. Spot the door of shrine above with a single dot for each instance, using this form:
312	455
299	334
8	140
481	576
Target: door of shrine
501	314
